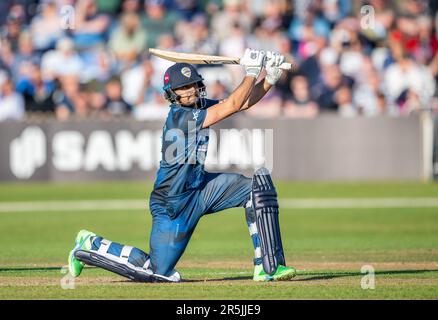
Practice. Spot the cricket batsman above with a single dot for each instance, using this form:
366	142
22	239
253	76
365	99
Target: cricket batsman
184	192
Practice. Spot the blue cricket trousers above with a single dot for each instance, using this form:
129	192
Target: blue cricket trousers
173	222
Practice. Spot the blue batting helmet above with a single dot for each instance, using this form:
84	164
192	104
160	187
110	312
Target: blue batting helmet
180	75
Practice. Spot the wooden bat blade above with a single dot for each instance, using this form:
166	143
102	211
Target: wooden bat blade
194	58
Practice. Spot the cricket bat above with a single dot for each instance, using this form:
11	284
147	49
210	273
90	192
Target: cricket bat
194	58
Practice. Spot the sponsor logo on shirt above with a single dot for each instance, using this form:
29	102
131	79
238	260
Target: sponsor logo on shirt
196	114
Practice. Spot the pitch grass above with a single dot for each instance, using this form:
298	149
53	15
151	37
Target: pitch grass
327	246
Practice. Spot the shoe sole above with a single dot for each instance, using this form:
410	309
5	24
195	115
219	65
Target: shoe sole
286	277
265	279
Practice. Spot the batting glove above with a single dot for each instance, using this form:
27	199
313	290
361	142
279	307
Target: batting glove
253	61
273	62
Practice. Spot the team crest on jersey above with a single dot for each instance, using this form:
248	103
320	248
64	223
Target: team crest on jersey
186	72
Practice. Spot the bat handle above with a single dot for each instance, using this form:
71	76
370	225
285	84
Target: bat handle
286	66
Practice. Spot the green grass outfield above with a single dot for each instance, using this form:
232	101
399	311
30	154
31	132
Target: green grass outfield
329	232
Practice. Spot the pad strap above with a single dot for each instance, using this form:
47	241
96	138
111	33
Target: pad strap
104	246
124	256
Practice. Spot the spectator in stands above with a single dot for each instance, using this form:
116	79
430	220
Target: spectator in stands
195	37
187	9
345	40
99	65
367	93
94	94
131	6
46	27
24	59
234	13
14	24
37	92
90	25
64	61
129	40
406	34
217	91
234	46
6	54
335	10
406	81
157	20
333	94
69	99
300	104
268	27
313	24
415	7
11	102
428	44
139	91
137	82
283	45
155	107
344	100
5	7
165	42
110	7
311	67
115	105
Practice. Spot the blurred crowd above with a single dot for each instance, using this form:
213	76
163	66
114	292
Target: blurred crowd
89	58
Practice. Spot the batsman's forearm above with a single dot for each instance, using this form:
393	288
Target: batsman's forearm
240	96
259	91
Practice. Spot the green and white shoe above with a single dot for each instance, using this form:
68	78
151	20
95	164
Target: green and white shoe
283	273
82	242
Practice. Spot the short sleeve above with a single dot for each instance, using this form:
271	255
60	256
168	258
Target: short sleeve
210	102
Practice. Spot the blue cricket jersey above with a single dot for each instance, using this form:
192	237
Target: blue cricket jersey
183	151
